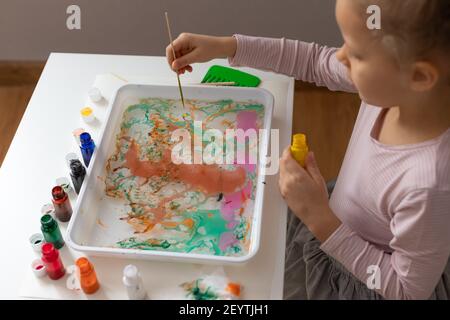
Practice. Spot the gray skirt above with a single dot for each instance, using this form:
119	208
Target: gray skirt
310	274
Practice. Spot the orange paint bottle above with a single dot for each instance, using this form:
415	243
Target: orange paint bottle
299	148
88	278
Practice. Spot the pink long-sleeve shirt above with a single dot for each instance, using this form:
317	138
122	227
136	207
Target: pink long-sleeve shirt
393	201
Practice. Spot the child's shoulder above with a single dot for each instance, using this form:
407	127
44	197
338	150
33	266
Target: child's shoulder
430	165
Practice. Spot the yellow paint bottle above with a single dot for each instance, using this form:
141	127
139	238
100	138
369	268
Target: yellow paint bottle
299	148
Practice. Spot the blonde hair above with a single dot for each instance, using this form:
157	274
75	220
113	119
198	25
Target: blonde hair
412	29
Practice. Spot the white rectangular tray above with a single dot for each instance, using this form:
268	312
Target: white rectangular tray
83	232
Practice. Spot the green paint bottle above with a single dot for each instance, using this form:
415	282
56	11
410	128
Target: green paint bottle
51	232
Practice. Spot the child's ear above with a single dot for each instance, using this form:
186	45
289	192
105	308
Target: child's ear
424	77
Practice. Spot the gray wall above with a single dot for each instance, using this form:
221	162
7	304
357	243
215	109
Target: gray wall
31	29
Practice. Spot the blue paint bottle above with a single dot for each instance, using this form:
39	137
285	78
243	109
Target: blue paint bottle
87	147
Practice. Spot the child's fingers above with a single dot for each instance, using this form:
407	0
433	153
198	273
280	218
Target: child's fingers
290	173
180	46
169	55
313	169
184	69
282	163
184	61
311	166
288	163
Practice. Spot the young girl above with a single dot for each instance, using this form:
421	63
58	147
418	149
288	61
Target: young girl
388	218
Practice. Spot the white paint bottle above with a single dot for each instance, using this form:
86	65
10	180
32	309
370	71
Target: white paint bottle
133	282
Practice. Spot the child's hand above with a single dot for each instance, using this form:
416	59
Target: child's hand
191	48
306	194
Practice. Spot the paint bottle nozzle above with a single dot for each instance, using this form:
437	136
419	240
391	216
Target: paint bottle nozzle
95	94
85	138
58	193
61	202
53	264
299	148
77	173
88	278
51	232
133	282
87	147
71	156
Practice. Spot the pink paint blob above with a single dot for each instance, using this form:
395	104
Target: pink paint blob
227	239
246	120
231	203
235	201
232	224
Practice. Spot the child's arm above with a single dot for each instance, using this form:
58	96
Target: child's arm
421	247
304	61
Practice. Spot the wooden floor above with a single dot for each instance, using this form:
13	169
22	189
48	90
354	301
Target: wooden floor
326	117
17	83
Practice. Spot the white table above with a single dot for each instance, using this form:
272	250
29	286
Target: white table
36	158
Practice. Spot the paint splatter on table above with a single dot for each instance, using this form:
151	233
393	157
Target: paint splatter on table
192	208
212	287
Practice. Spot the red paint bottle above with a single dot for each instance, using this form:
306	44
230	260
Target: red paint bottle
53	264
61	202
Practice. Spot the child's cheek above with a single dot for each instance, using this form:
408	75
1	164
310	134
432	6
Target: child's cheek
361	80
386	89
370	85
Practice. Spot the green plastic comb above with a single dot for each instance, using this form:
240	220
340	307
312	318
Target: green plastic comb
224	74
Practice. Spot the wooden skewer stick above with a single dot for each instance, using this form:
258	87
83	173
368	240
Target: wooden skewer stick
174	57
219	83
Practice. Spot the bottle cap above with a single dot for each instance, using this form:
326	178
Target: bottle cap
48	208
87	114
39	268
130	275
64	183
95	95
36	241
77	133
